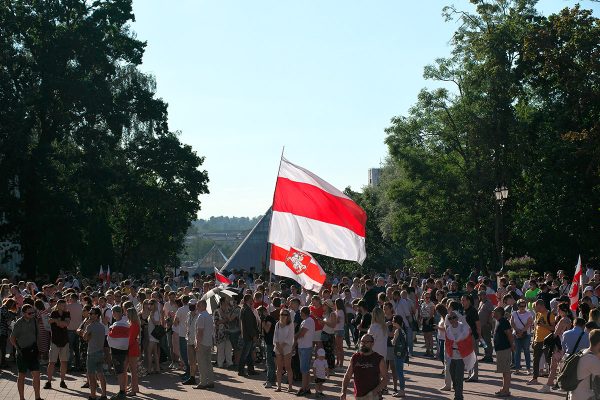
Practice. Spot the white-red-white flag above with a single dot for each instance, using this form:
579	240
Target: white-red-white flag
222	278
576	285
108	275
297	265
312	215
101	273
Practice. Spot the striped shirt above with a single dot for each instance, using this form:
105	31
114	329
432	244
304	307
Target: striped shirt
118	335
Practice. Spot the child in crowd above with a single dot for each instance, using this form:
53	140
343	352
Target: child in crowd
320	372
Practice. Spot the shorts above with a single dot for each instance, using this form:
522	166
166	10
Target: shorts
287	349
94	362
61	353
320	380
339	333
118	358
503	360
305	355
25	364
317	337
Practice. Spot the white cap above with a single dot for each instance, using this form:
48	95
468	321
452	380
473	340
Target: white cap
588	288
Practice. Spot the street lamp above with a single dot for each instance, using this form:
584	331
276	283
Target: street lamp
501	194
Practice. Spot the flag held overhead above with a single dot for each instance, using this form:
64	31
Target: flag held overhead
219	277
312	215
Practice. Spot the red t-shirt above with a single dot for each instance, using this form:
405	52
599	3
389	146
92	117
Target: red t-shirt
366	372
317	312
134	346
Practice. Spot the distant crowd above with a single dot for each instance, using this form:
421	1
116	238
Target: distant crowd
133	327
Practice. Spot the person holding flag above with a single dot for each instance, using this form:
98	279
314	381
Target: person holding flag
576	285
459	350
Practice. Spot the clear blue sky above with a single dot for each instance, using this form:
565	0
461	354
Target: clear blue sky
322	78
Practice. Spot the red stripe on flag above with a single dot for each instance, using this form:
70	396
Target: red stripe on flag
312	202
279	254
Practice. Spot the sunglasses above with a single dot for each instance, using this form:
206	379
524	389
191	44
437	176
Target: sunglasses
285	314
29	313
521	305
451	318
366	341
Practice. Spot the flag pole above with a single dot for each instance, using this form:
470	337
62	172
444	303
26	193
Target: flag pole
268	258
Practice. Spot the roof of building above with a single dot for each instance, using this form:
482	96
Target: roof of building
254	249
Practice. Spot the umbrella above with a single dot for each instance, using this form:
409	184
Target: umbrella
213	297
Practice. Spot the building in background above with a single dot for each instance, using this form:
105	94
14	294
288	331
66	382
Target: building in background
374	176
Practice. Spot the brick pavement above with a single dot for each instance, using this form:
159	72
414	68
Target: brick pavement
423	380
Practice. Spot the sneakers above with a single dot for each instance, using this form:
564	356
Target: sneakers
48	385
119	396
533	381
63	385
86	385
544	389
268	385
190	381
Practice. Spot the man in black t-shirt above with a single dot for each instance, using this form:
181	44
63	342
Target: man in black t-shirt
59	346
268	329
504	344
472	318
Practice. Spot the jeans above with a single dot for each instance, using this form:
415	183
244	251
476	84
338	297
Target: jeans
410	339
184	355
270	363
399	362
349	329
246	355
522	345
457	373
74	353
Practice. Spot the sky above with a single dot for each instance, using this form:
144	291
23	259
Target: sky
244	79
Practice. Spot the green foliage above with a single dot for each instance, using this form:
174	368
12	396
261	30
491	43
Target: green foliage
98	177
520	107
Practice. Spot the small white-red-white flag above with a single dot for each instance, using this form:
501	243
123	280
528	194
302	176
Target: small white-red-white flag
222	278
312	215
576	285
108	275
101	274
297	265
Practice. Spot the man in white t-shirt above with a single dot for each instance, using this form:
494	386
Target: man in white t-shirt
588	367
304	340
180	327
204	342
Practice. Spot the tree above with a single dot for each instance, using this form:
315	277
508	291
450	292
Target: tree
85	141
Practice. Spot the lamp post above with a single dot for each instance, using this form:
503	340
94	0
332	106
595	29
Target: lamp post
501	194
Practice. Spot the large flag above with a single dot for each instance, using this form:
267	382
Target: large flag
312	215
297	265
576	285
222	278
101	274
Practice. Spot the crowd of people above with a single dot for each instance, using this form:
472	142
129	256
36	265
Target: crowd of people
137	327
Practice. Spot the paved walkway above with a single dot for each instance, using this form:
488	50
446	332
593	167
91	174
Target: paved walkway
423	380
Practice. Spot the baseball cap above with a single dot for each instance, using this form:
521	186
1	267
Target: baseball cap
588	288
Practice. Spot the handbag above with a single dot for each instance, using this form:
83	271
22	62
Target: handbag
158	332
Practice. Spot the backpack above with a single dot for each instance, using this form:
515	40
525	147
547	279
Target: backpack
401	346
567	377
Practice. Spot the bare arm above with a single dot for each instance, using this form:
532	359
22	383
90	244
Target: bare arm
382	376
346	381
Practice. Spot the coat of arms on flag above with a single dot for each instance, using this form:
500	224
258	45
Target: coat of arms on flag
297	261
